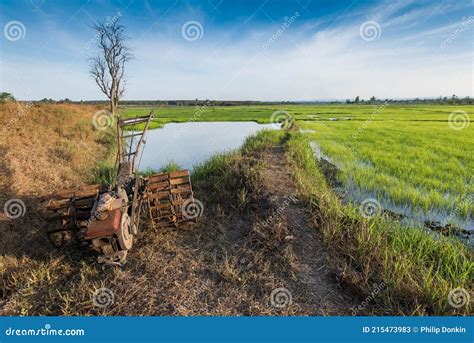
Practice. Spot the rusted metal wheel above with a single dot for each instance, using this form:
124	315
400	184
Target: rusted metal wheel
165	195
68	212
124	235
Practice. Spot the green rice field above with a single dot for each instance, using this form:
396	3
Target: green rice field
413	163
415	160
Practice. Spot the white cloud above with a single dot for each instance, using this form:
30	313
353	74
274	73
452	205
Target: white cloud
331	63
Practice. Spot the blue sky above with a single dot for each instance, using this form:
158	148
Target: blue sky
244	50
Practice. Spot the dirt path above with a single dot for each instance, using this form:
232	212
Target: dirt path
320	291
254	239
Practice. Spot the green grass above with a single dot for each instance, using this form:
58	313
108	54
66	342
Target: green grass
421	165
237	171
106	173
405	156
163	115
418	269
168	168
262	113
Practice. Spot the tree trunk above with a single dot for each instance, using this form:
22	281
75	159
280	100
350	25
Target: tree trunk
112	106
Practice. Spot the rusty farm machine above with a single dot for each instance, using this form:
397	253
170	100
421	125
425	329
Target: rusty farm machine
107	217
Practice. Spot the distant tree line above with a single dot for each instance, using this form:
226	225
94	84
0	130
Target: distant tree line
453	100
60	101
171	102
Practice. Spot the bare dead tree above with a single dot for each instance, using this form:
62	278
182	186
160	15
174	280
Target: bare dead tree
108	67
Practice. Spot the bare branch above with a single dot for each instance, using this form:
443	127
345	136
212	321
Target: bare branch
108	68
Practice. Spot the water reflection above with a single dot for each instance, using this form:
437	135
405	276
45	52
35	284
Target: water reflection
194	142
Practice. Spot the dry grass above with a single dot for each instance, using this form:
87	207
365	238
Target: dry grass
228	264
47	147
44	148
